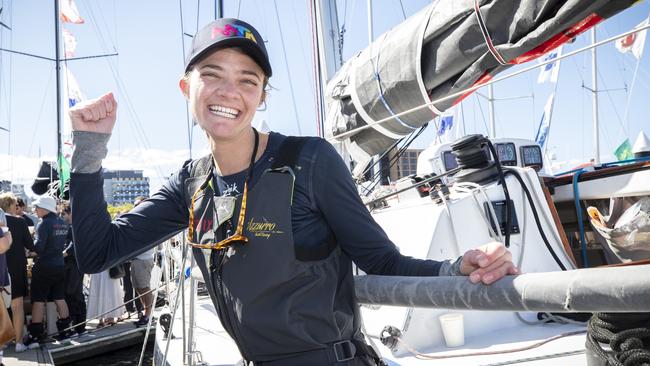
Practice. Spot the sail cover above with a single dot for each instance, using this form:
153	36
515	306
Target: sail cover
447	47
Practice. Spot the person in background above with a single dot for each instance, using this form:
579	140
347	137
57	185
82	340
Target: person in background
73	278
130	302
141	267
48	271
20	212
105	297
17	263
5	244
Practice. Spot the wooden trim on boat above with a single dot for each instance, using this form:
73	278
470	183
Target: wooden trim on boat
558	223
597	174
633	263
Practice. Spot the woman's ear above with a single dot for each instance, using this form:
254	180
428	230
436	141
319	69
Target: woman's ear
184	84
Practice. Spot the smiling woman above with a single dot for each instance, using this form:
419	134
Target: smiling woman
224	91
260	220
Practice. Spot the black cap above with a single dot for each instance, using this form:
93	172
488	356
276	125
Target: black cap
229	32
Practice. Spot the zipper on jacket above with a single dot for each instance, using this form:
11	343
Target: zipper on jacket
220	295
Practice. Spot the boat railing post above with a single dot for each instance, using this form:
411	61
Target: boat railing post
190	329
182	292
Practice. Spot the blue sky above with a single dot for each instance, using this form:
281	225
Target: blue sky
152	127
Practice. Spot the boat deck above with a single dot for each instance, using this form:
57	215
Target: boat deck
92	343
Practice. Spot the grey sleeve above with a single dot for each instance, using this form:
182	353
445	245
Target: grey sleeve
89	149
451	267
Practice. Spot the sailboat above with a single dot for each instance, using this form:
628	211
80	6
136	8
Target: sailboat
496	187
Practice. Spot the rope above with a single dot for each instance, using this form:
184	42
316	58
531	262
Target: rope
581	224
627	334
486	34
423	356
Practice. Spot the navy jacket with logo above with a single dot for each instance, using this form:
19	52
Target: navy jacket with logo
50	240
325	205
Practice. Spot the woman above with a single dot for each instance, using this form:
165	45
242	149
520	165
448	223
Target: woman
5	243
275	251
17	263
105	299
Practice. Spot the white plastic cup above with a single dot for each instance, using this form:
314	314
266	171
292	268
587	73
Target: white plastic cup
453	329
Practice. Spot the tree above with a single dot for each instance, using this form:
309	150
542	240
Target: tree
120	209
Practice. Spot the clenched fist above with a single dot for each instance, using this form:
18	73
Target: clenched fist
94	115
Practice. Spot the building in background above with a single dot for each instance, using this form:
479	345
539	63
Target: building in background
123	186
408	163
5	186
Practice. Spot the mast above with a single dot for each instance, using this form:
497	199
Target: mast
57	65
490	98
218	9
594	92
370	30
327	53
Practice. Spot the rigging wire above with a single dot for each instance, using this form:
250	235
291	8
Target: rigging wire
188	122
198	10
140	133
9	93
40	111
316	68
480	107
402	6
302	42
286	64
238	8
376	177
611	101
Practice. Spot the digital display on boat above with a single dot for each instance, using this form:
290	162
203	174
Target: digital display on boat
507	154
449	159
532	155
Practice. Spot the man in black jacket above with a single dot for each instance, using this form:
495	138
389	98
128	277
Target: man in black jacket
48	271
73	278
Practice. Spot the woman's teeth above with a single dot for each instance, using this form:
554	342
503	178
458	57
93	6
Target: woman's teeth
224	111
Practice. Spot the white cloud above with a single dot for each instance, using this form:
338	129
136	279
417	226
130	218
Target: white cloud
155	163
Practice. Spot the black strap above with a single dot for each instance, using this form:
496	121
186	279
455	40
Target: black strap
202	167
333	354
289	152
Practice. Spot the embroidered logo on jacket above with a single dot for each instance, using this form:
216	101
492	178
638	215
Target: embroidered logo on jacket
263	228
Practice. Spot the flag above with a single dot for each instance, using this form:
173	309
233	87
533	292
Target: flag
71	91
69	43
624	151
69	12
72	95
446	124
634	42
545	122
549	72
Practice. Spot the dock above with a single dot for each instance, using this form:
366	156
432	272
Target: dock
90	344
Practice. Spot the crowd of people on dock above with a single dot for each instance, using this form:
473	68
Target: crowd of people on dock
37	264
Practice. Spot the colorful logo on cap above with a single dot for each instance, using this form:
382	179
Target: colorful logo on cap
233	30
